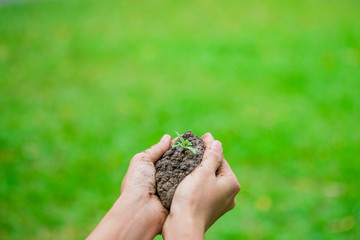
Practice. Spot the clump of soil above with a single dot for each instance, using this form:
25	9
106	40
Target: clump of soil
175	165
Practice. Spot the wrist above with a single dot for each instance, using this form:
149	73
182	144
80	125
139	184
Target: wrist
137	215
183	226
129	218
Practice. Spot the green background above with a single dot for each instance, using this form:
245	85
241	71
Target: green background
84	85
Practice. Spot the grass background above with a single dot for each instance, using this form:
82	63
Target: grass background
84	85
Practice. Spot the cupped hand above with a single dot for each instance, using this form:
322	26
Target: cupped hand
203	196
139	182
138	212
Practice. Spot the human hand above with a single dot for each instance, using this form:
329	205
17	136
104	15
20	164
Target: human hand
139	182
138	212
203	196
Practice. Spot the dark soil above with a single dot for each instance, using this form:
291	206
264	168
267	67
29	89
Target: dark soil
175	165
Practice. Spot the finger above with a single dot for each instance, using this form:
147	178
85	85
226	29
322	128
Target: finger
207	139
213	156
226	176
157	150
224	169
174	141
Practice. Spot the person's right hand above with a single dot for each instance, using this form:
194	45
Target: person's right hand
203	196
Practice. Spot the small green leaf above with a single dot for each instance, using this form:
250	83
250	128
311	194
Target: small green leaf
176	144
180	137
184	143
192	149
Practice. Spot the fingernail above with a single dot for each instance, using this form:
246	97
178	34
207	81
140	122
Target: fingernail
217	146
165	138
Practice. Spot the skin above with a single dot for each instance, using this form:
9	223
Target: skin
200	199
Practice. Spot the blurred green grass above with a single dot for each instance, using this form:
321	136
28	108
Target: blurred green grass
84	85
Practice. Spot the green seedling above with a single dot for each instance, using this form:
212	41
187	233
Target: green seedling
184	144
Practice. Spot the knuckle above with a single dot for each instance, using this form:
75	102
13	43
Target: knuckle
137	156
235	185
149	150
158	147
215	156
219	159
233	204
206	134
142	156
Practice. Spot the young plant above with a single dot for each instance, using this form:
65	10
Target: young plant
184	144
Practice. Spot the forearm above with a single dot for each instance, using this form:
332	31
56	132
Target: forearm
126	220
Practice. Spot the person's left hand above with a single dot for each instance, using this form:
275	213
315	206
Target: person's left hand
138	212
139	182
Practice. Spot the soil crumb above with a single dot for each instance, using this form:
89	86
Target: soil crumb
175	165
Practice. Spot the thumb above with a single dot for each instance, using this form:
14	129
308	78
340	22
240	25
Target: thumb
213	156
157	150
